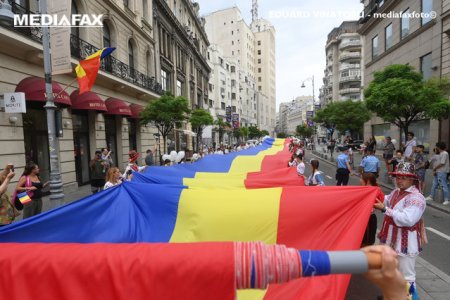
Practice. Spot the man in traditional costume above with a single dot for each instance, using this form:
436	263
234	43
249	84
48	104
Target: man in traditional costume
403	227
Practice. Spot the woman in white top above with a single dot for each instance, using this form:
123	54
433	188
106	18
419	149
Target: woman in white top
316	176
112	178
300	165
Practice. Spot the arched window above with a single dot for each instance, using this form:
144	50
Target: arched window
130	55
75	30
106	36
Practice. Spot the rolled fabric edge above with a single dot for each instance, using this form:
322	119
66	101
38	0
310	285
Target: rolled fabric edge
348	262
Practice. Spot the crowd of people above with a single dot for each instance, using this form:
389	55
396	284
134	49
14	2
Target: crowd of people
403	208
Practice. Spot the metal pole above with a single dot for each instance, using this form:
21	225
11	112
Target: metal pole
56	191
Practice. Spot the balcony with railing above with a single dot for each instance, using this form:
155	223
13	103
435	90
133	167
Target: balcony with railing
352	90
344	67
351	77
80	49
349	55
350	44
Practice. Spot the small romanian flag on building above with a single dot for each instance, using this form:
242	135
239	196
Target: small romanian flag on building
24	198
88	68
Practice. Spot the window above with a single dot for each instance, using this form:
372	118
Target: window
259	60
404	24
259	79
125	3
388	37
232	42
179	88
259	70
375	47
148	63
259	43
427	8
106	36
425	66
259	52
164	80
130	55
222	105
210	87
233	69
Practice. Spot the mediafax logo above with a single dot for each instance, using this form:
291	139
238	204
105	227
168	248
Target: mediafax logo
49	20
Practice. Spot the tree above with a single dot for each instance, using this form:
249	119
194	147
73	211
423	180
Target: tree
254	132
199	119
325	116
350	115
222	127
304	131
166	113
399	95
265	132
281	135
244	132
237	133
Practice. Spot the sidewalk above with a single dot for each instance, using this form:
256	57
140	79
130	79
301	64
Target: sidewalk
383	179
431	282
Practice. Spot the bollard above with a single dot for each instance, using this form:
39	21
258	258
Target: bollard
439	194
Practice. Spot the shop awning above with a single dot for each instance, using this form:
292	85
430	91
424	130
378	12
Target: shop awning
136	110
87	101
34	89
117	107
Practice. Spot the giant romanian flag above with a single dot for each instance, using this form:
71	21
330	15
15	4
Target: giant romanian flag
249	195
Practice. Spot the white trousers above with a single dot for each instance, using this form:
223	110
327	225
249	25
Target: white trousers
407	266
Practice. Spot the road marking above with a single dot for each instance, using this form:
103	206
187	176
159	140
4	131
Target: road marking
438	233
329	177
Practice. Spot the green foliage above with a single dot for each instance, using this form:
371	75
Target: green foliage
199	119
166	113
221	127
303	131
265	132
244	132
343	115
254	132
399	95
281	135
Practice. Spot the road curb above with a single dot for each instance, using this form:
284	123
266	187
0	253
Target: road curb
433	204
433	269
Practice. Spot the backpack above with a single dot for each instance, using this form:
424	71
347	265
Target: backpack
427	164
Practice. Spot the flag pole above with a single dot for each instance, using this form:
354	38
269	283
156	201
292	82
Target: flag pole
68	85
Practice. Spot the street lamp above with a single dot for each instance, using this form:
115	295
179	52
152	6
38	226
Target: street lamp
314	98
158	150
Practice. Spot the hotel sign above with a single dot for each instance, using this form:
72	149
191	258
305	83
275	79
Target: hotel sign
15	103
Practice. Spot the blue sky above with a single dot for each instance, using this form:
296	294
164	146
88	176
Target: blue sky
301	28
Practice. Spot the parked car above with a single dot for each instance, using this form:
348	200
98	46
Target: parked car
356	144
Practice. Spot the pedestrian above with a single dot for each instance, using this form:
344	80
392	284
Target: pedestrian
343	167
369	179
300	166
30	182
398	158
98	172
132	165
388	152
149	158
403	228
420	162
293	161
440	170
113	178
409	146
370	163
372	144
8	212
315	178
